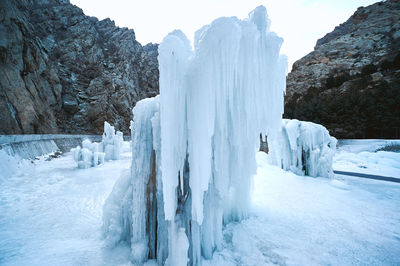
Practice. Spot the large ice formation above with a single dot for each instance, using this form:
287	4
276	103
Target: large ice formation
304	148
92	154
194	146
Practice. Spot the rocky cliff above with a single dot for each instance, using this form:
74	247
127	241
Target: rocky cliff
350	83
64	72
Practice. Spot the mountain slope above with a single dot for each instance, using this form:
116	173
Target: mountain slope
350	83
64	72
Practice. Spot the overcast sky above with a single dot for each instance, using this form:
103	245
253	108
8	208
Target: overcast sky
299	22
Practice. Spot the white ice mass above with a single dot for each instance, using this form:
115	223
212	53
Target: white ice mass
92	154
304	148
194	147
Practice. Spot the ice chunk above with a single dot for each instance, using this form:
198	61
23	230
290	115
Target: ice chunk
179	257
86	144
112	142
101	157
108	150
76	154
304	148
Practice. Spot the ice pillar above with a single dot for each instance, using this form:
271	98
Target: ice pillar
198	155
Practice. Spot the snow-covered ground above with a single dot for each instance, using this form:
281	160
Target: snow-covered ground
299	220
365	156
51	214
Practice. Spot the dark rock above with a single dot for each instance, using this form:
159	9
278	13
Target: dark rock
350	83
62	71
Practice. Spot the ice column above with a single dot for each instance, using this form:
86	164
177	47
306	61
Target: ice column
134	211
194	147
92	154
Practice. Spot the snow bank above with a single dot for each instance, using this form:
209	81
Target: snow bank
366	145
383	163
194	147
304	148
92	154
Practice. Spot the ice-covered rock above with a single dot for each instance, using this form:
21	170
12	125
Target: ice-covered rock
304	148
92	154
194	146
133	212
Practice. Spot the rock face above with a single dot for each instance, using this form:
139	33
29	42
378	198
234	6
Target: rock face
350	83
64	72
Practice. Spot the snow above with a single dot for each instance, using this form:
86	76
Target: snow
304	148
361	156
50	214
370	145
297	220
8	164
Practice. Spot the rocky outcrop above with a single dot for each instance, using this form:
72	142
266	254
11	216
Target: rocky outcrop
350	83
64	72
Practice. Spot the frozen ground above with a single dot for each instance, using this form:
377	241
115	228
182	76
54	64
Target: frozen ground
50	214
367	156
316	221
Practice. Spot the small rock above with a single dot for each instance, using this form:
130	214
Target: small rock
377	76
324	60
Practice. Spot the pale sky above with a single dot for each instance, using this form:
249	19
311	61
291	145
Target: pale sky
299	22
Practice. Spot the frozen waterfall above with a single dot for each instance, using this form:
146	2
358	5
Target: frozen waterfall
194	145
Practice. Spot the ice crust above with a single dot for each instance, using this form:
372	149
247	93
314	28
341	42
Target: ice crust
304	148
194	146
92	154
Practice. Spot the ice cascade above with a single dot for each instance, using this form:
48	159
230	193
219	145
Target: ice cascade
304	148
194	145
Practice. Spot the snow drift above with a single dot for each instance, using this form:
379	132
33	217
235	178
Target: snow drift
194	146
304	148
92	154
